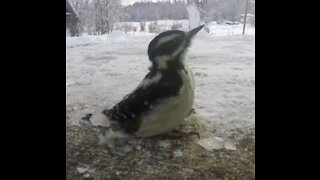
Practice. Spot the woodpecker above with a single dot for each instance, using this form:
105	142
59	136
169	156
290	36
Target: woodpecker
164	98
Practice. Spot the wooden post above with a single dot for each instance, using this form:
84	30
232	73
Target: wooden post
245	18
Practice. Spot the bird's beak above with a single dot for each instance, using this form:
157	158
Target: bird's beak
193	32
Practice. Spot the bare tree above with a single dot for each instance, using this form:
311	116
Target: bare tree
112	14
220	10
147	11
107	13
98	16
81	6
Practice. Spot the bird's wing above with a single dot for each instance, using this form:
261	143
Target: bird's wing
154	88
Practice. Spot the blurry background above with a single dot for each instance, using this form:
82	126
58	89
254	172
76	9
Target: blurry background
104	16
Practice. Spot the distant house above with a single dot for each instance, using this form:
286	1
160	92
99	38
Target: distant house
72	20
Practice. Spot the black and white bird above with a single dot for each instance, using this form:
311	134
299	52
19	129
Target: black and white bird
164	98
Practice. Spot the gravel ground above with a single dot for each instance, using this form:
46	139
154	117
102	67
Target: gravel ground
162	157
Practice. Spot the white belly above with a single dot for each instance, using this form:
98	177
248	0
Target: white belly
171	113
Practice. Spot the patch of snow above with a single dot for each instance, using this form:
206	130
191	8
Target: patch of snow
164	25
109	138
138	148
211	143
177	153
164	144
99	119
229	145
82	170
86	176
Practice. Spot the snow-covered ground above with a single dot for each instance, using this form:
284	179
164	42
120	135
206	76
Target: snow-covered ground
102	69
164	25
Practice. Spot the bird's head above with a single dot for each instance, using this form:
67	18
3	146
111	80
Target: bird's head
170	46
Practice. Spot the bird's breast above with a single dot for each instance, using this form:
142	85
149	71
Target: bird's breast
171	111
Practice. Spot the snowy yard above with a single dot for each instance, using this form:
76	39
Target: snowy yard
102	69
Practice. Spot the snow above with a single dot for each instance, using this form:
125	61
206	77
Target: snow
102	69
177	153
214	28
82	170
230	145
164	144
229	30
211	143
99	119
86	176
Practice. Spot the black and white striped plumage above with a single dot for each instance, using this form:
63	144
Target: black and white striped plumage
164	98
